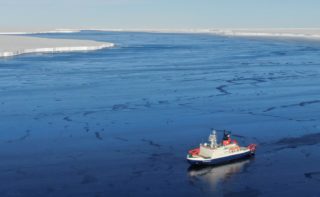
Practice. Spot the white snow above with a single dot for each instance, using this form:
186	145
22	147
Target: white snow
313	33
294	33
35	31
310	33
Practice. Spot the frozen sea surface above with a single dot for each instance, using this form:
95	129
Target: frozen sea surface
119	122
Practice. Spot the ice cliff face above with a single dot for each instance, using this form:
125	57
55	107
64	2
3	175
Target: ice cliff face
54	49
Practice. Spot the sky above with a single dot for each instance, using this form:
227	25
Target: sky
159	14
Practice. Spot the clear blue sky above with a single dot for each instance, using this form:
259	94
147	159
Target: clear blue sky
160	13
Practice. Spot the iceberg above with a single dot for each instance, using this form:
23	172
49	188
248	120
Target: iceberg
16	45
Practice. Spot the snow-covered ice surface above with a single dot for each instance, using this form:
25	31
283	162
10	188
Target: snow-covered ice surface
23	31
119	121
17	45
294	33
305	33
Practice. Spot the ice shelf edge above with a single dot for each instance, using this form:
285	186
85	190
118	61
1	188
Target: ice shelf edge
56	49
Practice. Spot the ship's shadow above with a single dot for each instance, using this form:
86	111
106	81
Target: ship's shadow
221	165
215	174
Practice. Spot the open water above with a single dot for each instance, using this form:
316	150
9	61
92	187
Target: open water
120	121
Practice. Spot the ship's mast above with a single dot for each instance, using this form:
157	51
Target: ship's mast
213	139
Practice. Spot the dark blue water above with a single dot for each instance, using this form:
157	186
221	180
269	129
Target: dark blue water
119	122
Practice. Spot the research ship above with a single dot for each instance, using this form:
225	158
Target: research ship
214	153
